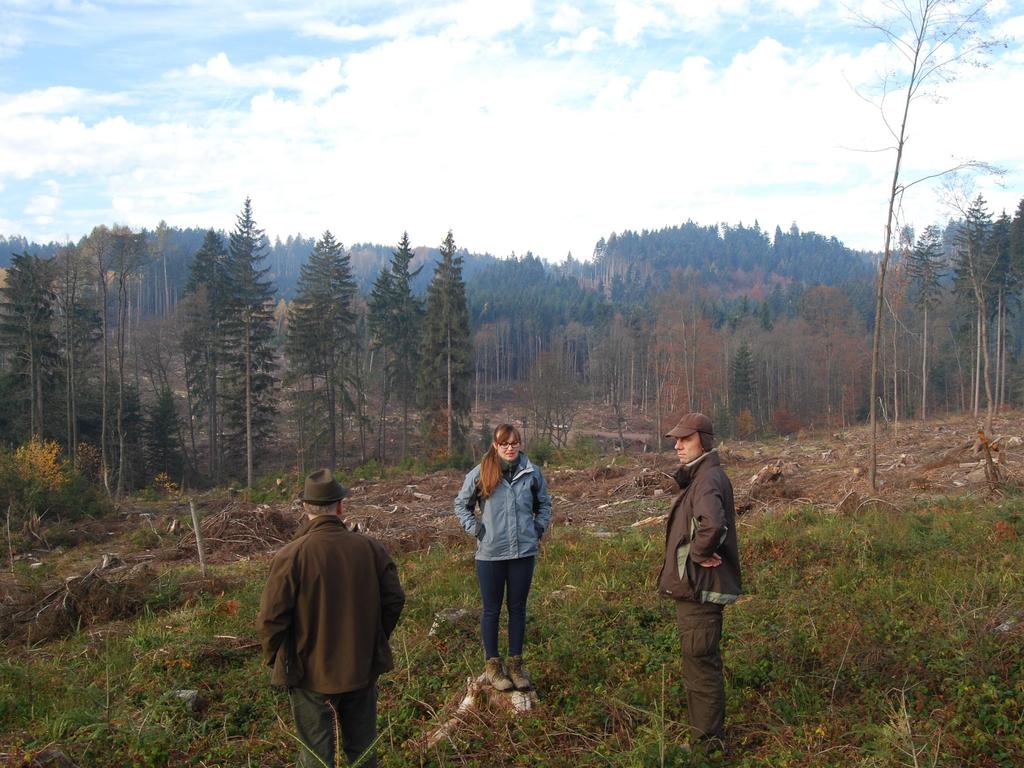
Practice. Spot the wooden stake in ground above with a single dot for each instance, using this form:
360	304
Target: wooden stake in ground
10	547
199	538
991	470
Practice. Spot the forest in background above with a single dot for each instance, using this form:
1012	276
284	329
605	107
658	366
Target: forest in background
192	356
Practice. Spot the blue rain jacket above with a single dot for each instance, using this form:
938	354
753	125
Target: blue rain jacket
512	519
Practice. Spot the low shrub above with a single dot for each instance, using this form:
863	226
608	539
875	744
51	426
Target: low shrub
36	481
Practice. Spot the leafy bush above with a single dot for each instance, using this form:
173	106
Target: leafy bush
541	452
785	423
35	480
583	451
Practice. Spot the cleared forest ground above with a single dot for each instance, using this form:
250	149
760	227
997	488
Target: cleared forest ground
878	628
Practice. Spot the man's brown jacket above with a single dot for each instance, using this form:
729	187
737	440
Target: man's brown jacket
702	523
328	608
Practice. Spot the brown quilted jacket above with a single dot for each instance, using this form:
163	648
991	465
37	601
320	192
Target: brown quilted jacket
702	523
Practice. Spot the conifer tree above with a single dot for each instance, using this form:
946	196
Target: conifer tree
320	340
26	331
248	333
203	314
926	268
447	365
67	303
396	320
1006	277
160	434
380	306
975	263
741	394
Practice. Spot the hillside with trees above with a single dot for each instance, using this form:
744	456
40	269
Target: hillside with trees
207	356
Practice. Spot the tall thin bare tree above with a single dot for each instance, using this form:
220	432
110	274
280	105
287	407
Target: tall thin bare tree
931	37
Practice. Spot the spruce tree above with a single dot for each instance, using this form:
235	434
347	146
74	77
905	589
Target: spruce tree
396	321
447	365
741	394
203	314
926	268
27	332
160	434
975	260
320	341
248	333
380	305
127	254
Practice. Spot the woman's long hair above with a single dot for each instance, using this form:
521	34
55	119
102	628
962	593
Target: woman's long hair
490	464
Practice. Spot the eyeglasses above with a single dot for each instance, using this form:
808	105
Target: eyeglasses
509	445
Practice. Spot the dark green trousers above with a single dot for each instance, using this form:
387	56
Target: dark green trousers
700	634
320	719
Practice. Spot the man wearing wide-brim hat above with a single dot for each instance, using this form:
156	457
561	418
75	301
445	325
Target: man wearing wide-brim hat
330	604
701	571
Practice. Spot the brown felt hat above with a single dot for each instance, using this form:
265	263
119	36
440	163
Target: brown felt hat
321	488
690	423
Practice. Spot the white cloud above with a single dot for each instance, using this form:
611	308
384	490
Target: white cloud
350	33
484	19
59	99
70	6
11	42
633	19
1012	28
476	19
567	18
585	42
318	79
706	15
42	207
442	123
795	7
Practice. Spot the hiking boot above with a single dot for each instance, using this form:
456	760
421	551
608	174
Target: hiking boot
494	673
520	677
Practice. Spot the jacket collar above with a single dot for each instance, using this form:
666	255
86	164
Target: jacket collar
684	475
524	467
320	521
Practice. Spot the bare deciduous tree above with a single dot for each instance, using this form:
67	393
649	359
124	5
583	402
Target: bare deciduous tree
931	37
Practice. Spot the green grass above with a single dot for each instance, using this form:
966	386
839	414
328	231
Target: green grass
867	640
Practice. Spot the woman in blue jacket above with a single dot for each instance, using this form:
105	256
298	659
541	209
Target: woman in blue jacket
515	512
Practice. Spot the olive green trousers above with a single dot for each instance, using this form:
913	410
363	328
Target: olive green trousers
700	635
326	722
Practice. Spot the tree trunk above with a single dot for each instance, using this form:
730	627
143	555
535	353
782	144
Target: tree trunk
448	362
122	459
924	366
213	419
332	420
983	327
104	405
960	371
976	401
895	375
248	406
191	420
167	290
895	192
382	438
405	424
999	351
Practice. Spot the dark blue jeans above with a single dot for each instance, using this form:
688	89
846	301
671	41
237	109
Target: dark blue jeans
497	577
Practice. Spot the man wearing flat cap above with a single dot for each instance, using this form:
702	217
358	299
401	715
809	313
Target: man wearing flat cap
701	571
329	606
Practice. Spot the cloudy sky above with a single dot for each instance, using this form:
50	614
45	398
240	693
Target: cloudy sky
520	125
